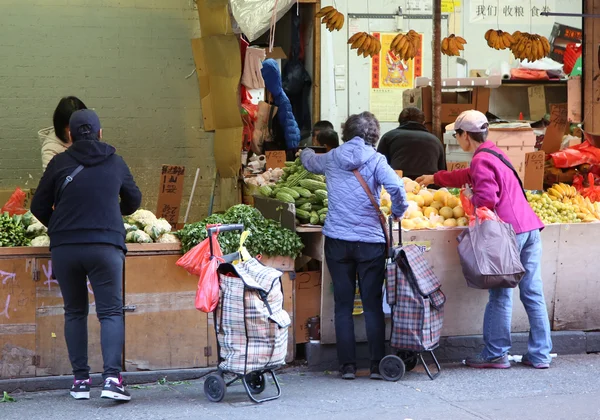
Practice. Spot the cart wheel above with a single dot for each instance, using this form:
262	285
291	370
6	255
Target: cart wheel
214	388
256	382
409	358
392	368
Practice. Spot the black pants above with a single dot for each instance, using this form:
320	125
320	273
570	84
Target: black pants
103	265
346	260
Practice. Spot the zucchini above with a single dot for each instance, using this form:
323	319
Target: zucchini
303	214
313	185
323	211
305	206
286	198
266	191
321	194
302	191
291	192
322	217
314	218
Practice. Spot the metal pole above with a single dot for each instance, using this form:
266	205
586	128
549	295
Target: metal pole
187	212
437	69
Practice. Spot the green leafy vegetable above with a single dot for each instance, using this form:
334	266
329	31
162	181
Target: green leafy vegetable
267	237
7	398
12	231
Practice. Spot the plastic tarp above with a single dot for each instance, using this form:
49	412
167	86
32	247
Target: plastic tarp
254	17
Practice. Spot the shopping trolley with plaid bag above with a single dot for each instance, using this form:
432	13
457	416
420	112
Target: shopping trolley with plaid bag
251	326
417	303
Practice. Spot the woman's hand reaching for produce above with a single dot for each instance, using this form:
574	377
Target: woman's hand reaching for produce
425	180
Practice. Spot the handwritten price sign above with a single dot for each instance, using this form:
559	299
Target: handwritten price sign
453	166
534	170
170	192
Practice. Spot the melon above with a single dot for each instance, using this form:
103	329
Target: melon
450	222
415	214
436	205
446	213
427	197
452	201
441	196
428	211
458	212
462	221
408	224
419	200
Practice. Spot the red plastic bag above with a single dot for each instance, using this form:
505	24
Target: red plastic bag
16	203
483	213
199	261
572	53
577	155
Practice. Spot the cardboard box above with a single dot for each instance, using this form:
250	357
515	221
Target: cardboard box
574	99
307	287
512	134
453	102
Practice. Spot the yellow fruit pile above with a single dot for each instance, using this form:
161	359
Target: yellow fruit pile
406	45
365	44
563	204
333	19
498	40
428	209
530	46
453	45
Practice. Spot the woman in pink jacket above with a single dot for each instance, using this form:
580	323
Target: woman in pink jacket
496	186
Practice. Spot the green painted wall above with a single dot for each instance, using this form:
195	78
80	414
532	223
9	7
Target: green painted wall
127	59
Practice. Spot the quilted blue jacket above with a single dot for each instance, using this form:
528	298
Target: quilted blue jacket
351	216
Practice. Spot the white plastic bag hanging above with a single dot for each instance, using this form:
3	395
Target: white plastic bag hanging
254	16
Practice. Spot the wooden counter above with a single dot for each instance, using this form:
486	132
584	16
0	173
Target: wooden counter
163	329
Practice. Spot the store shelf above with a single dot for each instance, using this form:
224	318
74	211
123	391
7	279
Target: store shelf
522	83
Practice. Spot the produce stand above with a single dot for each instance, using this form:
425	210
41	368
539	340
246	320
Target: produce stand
163	329
571	288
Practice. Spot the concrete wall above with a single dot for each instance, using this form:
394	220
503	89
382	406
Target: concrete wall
336	104
127	59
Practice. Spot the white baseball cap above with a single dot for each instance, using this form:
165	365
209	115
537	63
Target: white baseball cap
471	121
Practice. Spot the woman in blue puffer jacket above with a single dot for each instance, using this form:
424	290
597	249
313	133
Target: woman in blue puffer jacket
354	239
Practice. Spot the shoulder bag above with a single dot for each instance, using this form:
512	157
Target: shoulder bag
382	217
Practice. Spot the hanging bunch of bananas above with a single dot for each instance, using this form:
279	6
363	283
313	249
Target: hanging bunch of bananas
406	45
365	44
561	191
453	45
333	19
499	40
530	46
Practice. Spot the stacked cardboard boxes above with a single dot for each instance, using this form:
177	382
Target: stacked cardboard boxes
516	140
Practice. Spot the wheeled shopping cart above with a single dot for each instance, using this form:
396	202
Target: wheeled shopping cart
251	326
417	303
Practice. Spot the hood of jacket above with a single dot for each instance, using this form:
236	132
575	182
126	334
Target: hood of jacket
353	154
90	152
412	125
48	138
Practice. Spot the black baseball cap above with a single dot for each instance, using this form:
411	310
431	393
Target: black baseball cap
84	124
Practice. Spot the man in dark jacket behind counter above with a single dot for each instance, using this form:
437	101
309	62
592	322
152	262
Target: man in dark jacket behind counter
411	148
81	198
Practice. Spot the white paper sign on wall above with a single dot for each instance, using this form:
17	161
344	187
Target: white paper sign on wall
512	12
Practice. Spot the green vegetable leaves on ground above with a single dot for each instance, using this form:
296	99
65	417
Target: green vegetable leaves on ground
267	237
7	398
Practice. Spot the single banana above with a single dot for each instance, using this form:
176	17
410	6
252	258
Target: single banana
340	24
360	41
488	34
445	45
324	11
354	37
365	47
461	40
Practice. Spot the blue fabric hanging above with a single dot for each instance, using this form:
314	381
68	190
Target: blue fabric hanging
272	77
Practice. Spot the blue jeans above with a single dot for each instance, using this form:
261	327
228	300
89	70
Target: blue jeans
498	312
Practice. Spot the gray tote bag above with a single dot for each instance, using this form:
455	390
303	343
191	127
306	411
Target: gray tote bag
489	255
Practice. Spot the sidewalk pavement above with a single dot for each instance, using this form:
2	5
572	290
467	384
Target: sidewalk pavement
568	390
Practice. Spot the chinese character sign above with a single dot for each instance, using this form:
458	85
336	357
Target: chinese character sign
513	12
170	192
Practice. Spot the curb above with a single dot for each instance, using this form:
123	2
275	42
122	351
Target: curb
457	348
132	378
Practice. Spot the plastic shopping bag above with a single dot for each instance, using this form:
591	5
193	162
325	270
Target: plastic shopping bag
483	213
16	203
199	261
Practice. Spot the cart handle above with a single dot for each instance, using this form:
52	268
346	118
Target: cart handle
210	231
391	228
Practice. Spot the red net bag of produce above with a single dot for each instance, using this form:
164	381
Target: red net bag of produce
572	53
201	262
483	213
16	203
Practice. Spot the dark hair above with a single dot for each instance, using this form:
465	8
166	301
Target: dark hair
363	125
328	138
411	114
478	137
321	125
62	114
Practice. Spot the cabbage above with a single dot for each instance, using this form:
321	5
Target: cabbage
158	228
167	238
138	236
36	229
142	218
130	228
43	240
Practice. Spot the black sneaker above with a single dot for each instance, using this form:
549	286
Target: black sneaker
375	371
115	390
348	371
80	390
